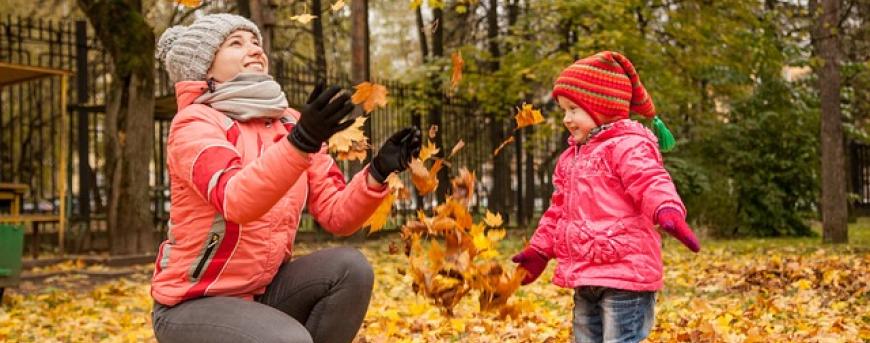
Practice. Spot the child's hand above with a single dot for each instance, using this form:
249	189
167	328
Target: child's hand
533	262
673	223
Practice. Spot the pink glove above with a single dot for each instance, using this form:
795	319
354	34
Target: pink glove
533	262
672	222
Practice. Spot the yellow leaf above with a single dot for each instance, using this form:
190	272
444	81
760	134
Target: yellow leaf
492	219
351	142
416	3
456	77
378	219
189	3
395	182
458	325
370	95
502	145
528	116
303	18
428	150
337	6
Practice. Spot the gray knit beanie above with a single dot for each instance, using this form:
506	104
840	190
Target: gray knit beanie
188	51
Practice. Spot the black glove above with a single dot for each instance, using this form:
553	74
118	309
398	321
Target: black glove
396	153
321	118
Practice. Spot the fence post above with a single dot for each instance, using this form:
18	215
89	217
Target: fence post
81	99
521	215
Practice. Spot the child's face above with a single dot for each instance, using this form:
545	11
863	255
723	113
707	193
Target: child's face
239	53
576	120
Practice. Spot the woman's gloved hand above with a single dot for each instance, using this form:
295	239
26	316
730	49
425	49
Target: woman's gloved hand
321	118
396	153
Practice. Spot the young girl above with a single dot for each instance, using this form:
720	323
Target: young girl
242	166
610	191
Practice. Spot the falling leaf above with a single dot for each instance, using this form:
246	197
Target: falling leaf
370	95
394	182
502	145
303	18
379	218
337	6
456	77
433	131
351	143
493	219
189	3
415	4
528	116
463	186
428	150
459	145
425	180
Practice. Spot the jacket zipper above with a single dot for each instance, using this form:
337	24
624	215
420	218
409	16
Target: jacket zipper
213	239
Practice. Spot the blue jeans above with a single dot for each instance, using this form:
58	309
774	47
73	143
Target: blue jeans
611	315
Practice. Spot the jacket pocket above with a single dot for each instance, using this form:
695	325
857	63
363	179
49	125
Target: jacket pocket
602	244
209	248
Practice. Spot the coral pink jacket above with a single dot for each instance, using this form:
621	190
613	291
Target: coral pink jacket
599	226
238	190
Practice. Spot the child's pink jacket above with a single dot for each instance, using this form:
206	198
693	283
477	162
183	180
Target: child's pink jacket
238	189
599	226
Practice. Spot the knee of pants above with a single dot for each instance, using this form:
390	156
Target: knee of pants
357	267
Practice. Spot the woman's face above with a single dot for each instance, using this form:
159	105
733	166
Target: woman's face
576	120
239	53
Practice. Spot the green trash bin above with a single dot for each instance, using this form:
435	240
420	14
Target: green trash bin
11	248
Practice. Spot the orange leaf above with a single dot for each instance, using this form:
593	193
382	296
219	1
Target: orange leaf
189	3
370	95
463	186
492	219
425	180
456	57
528	116
428	150
502	145
378	219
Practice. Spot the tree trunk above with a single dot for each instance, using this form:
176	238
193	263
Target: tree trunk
262	14
834	204
319	49
501	165
421	32
129	125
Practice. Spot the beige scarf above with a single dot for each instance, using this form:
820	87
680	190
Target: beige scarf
247	96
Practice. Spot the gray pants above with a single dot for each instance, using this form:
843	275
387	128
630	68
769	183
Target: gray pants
321	297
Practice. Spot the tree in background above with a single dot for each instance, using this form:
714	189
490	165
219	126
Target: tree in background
129	126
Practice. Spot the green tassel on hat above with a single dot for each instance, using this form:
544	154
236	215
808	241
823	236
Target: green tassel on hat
665	137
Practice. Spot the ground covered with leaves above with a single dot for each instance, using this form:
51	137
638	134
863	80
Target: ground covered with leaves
784	290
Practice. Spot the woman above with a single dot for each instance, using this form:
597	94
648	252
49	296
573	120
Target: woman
242	166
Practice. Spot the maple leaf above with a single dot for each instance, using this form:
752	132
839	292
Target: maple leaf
528	116
338	5
428	150
379	218
425	180
370	95
501	146
456	77
463	186
350	143
303	18
492	219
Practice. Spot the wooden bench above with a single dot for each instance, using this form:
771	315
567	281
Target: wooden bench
32	220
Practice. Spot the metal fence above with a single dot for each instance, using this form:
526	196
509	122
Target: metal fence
29	112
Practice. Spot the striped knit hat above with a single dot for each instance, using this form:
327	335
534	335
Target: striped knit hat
607	87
